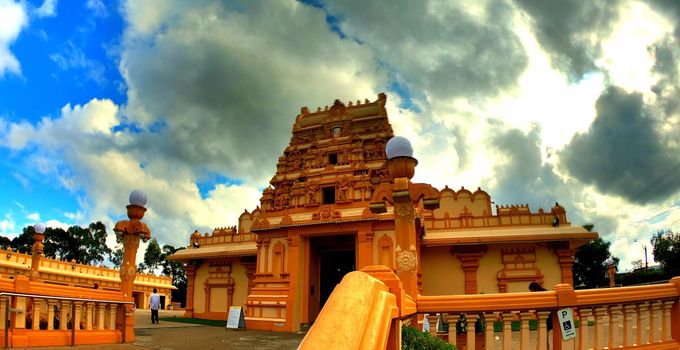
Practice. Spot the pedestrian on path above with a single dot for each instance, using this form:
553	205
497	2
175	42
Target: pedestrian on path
154	304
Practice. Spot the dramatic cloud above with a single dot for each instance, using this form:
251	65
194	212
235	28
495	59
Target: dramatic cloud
571	31
12	19
226	84
440	49
622	153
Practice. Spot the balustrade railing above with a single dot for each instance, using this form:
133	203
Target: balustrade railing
34	313
640	317
625	317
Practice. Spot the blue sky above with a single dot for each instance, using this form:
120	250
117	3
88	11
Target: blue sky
193	103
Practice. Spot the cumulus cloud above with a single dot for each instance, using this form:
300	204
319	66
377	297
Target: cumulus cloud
622	153
572	31
216	75
13	19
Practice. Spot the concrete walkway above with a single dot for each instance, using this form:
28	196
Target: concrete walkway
178	336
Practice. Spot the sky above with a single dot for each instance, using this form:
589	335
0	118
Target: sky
536	102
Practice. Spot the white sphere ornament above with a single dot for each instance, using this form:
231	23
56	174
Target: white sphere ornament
398	146
138	197
39	228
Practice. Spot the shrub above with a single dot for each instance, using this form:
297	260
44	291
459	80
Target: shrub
413	339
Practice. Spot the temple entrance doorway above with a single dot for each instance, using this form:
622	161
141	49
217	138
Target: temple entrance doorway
330	259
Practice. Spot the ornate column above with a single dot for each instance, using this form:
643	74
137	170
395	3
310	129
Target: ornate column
565	257
469	257
131	232
404	195
251	268
190	270
37	251
364	248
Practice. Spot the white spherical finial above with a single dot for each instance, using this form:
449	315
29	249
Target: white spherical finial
398	146
39	228
609	261
138	197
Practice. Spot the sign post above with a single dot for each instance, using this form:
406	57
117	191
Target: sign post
567	326
235	320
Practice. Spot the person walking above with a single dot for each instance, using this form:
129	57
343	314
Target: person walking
154	305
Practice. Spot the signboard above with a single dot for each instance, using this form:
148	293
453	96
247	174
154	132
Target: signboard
235	320
567	325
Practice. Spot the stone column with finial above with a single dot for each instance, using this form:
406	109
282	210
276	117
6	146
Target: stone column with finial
37	251
131	232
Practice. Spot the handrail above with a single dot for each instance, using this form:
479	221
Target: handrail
73	311
357	315
542	300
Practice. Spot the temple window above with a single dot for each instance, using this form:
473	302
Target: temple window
332	158
336	131
328	195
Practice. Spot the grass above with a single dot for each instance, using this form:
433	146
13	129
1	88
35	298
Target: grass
194	321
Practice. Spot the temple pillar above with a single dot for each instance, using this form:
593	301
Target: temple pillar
190	271
293	314
364	248
250	265
469	257
565	257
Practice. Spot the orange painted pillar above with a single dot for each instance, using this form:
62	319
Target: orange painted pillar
37	252
131	232
364	248
405	230
565	257
469	258
293	313
566	297
675	312
190	270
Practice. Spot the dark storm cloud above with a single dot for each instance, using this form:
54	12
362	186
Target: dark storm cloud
227	84
566	30
439	49
623	152
524	179
666	69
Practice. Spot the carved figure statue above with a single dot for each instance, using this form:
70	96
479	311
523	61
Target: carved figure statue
311	192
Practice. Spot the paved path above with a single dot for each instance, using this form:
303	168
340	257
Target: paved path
179	336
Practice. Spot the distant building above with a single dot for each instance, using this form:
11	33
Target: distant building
71	273
314	224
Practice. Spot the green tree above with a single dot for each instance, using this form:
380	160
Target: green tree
23	242
589	268
116	256
84	245
176	270
666	250
153	257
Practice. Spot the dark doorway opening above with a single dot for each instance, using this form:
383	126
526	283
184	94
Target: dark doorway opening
334	266
330	259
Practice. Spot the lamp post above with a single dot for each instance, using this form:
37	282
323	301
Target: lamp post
611	269
130	232
37	251
405	196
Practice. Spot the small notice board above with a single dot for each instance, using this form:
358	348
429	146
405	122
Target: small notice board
567	325
235	319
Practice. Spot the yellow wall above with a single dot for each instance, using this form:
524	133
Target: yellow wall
218	299
487	274
199	292
547	261
238	273
441	272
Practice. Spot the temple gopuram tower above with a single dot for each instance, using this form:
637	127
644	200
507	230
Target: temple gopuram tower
330	209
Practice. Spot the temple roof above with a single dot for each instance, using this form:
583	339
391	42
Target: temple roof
215	251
